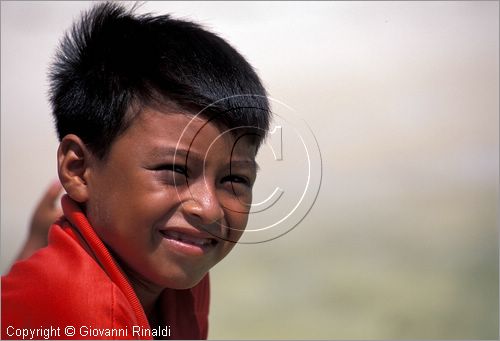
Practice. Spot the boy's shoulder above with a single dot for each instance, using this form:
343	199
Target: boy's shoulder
62	285
75	282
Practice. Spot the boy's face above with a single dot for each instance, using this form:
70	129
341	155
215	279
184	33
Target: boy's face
159	212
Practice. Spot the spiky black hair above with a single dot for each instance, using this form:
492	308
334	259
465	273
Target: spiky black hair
112	63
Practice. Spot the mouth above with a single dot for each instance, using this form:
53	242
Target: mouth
188	243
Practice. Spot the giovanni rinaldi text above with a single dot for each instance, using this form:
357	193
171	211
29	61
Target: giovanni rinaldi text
84	331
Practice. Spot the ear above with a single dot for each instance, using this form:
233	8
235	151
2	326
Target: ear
73	159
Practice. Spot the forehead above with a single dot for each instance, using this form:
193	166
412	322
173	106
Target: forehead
164	132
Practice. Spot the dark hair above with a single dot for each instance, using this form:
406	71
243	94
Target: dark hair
112	63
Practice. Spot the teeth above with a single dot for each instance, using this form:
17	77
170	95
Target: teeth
187	239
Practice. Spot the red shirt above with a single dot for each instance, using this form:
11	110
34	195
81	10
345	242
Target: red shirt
74	285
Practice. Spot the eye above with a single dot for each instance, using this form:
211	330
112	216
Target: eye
236	179
180	169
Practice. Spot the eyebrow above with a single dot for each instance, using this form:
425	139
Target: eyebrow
246	163
160	152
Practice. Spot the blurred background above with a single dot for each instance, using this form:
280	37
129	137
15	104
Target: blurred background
403	100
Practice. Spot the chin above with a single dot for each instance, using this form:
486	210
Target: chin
183	281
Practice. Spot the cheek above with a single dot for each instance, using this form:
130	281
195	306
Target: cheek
228	247
236	210
98	211
237	223
130	212
236	199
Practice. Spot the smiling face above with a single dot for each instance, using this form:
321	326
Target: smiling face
169	215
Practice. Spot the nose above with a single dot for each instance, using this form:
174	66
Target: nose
203	204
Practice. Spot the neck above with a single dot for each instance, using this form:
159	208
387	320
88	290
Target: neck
147	293
148	297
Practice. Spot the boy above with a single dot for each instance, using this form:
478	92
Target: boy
159	123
